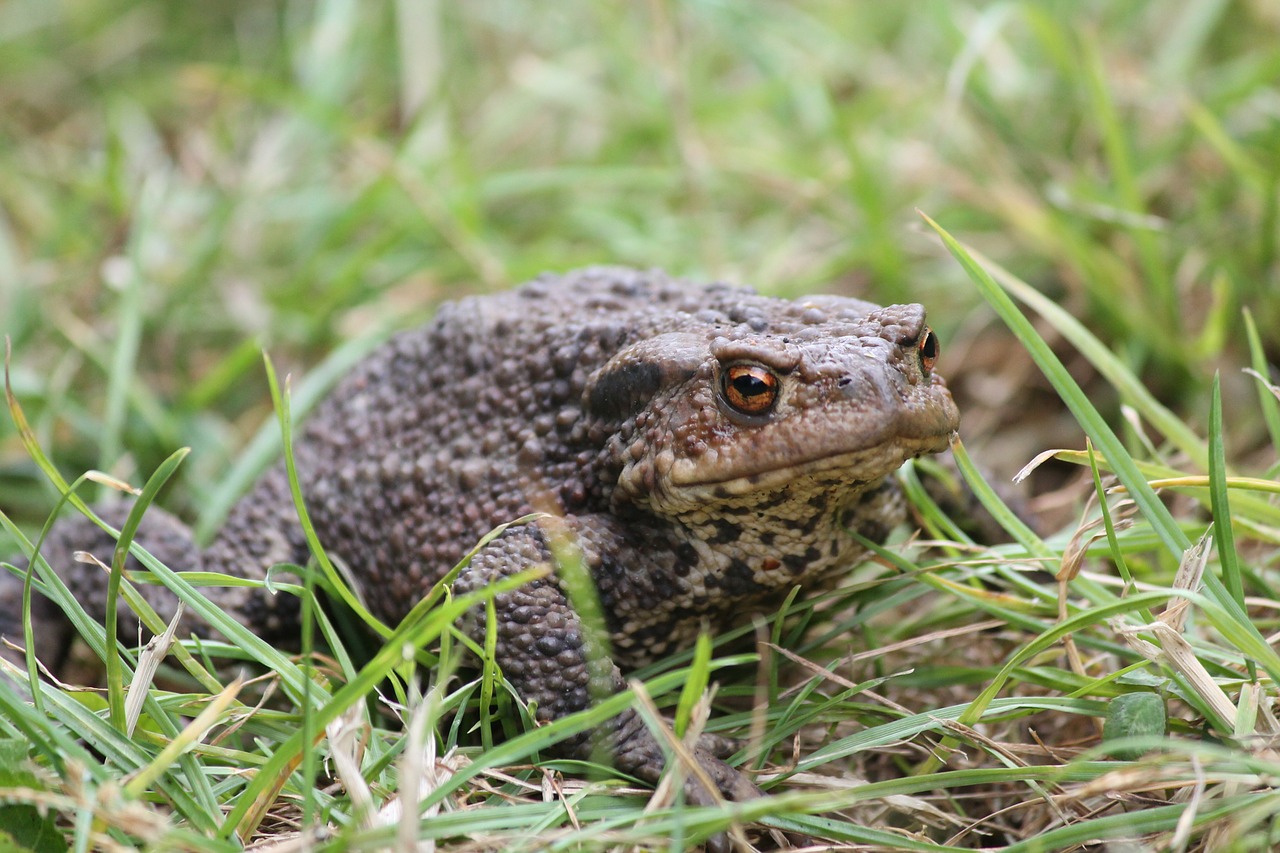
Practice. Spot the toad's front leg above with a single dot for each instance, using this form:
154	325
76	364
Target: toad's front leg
550	659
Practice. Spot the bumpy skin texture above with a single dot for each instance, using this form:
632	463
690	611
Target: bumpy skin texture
607	399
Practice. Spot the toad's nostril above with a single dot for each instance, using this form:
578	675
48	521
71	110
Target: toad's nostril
853	387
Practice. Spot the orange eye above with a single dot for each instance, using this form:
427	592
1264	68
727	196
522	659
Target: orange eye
929	349
749	388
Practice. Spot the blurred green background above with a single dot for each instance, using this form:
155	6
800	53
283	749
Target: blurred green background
183	184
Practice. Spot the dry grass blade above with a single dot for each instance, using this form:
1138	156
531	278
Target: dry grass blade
149	660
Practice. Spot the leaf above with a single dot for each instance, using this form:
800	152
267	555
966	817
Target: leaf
1134	715
23	827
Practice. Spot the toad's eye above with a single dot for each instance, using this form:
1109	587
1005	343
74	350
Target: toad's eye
929	349
749	388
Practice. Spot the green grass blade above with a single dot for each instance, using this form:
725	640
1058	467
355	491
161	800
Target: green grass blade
115	674
1072	395
1224	537
243	818
1267	401
991	502
1155	512
1173	428
695	686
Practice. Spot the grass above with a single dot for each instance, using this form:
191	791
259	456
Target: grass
184	185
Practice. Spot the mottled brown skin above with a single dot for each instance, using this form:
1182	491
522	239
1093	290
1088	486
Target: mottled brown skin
607	398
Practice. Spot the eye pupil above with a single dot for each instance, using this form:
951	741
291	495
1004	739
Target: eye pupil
749	389
750	386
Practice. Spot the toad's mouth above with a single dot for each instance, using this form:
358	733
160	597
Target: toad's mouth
835	446
849	468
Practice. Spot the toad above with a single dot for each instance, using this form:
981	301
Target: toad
705	449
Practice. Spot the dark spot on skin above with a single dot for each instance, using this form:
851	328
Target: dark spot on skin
686	559
625	389
739	580
767	538
875	531
795	562
726	532
798	562
870	495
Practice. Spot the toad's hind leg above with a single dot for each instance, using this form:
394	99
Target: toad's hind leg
160	533
253	539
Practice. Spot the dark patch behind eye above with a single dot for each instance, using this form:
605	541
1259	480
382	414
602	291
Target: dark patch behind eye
626	388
